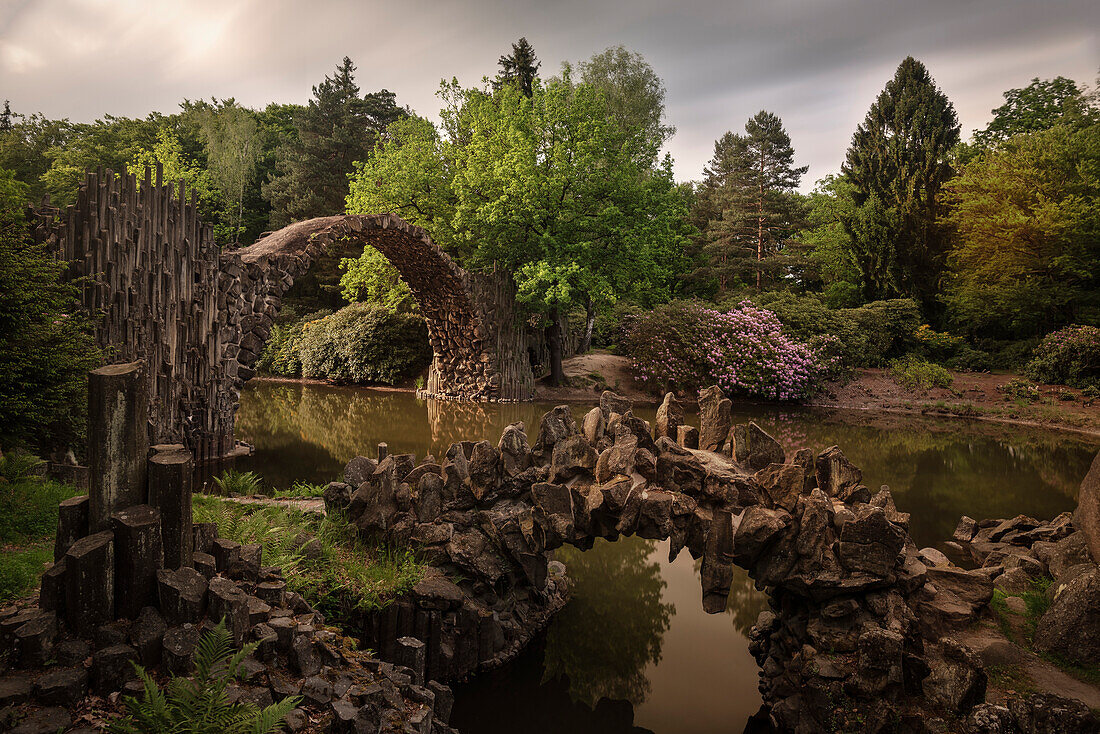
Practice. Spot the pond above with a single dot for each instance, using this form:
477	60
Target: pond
634	651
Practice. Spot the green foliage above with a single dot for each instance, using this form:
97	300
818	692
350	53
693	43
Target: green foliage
611	328
549	186
46	348
16	466
747	199
365	343
338	128
372	278
232	141
634	93
1069	356
200	704
282	352
897	163
1026	218
21	568
1039	106
300	490
912	372
829	245
868	336
349	573
233	483
28	508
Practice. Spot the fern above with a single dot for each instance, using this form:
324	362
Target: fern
233	482
16	466
200	705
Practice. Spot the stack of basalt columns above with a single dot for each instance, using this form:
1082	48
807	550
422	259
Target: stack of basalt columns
136	518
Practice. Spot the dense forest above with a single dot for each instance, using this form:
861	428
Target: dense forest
967	253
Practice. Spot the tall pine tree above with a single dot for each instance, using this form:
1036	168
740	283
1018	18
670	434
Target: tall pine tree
749	192
338	128
521	68
897	165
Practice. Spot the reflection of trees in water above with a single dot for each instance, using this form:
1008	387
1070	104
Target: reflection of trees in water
613	627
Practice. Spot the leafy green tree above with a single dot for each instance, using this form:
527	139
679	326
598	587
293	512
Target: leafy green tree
1039	106
1026	220
372	278
339	127
751	183
232	141
519	69
25	143
635	94
549	187
46	348
897	164
828	206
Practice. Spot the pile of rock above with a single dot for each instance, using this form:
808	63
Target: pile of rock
860	618
54	658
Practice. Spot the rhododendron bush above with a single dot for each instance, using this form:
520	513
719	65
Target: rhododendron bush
744	351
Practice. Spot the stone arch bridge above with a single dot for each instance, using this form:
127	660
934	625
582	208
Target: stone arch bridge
162	292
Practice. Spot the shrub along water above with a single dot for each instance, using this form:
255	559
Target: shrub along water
1069	356
362	343
744	350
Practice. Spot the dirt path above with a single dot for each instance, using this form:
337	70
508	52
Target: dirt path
587	375
312	504
1014	668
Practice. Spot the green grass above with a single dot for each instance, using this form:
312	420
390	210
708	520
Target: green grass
351	574
300	490
28	522
20	569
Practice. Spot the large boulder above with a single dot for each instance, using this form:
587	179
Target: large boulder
714	418
1071	626
573	456
611	403
515	451
554	426
670	416
870	543
836	476
1087	517
754	449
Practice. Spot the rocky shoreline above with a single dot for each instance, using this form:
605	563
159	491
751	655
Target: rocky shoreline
864	630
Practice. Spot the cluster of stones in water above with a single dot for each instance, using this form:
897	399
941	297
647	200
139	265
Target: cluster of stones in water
857	625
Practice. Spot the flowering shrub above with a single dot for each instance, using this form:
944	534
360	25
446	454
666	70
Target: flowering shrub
1069	356
744	351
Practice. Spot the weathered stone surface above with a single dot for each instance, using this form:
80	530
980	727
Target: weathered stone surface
179	645
687	437
1087	517
72	524
227	602
118	440
147	636
61	686
555	425
111	668
515	451
593	426
870	543
44	721
337	496
138	555
714	418
90	582
359	470
972	587
782	484
670	416
754	448
182	595
35	638
170	477
758	526
835	474
614	403
1070	628
957	681
572	456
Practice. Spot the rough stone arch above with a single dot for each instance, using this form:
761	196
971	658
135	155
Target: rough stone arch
478	347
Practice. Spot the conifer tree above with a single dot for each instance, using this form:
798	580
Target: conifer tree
521	68
749	189
338	128
897	165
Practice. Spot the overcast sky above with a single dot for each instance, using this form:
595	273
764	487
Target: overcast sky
818	64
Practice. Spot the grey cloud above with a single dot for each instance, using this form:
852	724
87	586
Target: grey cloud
817	64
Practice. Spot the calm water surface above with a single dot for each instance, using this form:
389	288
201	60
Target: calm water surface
633	651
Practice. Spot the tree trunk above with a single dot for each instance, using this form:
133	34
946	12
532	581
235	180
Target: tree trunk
589	324
554	342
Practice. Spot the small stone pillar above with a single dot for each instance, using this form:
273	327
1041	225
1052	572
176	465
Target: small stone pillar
72	524
383	450
170	475
410	652
118	440
90	583
715	419
670	416
716	573
138	555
